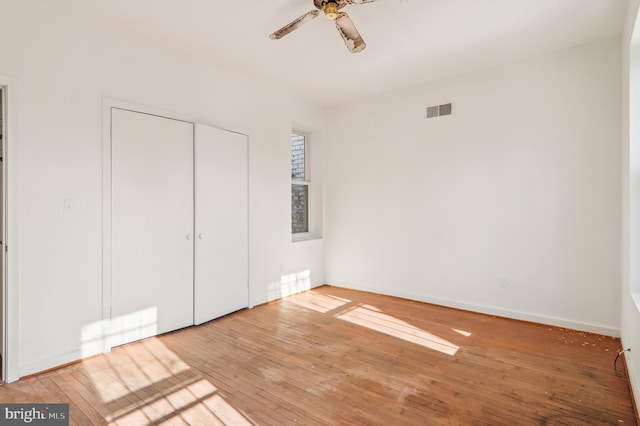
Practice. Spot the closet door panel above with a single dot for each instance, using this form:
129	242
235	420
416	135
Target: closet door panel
152	225
221	272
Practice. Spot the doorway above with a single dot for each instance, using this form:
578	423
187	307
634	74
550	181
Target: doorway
9	292
3	132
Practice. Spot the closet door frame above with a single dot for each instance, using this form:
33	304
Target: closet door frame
11	299
107	105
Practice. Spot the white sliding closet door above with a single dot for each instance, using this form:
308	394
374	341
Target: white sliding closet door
152	225
221	272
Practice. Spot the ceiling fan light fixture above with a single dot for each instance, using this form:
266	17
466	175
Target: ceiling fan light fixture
331	11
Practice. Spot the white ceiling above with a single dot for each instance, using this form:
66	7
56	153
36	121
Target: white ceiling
408	41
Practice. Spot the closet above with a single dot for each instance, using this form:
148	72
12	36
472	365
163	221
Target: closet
179	224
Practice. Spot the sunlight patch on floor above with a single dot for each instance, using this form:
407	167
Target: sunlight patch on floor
195	403
462	332
319	302
146	383
371	317
140	365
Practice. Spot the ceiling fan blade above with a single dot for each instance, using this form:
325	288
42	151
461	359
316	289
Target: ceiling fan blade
295	24
359	1
349	33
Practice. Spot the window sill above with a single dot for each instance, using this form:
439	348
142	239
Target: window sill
307	236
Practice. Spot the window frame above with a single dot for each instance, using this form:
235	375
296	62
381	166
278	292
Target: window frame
301	236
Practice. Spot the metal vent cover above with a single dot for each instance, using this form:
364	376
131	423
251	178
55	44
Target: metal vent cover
445	109
432	111
439	110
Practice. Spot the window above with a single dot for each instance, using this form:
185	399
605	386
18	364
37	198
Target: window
299	184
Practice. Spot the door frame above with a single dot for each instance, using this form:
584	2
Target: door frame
11	283
108	104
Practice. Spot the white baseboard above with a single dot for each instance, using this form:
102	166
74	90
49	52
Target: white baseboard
489	310
53	362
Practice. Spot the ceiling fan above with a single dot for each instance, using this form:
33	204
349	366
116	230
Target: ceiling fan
331	9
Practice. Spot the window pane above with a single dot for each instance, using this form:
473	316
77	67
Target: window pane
299	208
298	171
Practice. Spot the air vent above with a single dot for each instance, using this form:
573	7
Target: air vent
439	110
445	109
432	111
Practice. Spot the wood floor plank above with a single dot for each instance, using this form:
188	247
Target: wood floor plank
240	374
334	356
80	410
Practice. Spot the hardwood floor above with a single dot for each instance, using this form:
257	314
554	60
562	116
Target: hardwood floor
335	356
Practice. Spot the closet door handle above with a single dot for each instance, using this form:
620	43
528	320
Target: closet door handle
189	236
201	236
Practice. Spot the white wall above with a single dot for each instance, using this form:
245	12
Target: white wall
519	187
65	66
630	315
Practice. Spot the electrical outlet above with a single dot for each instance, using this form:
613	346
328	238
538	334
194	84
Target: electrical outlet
503	282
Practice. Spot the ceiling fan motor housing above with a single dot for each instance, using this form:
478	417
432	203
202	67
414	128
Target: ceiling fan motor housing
320	4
